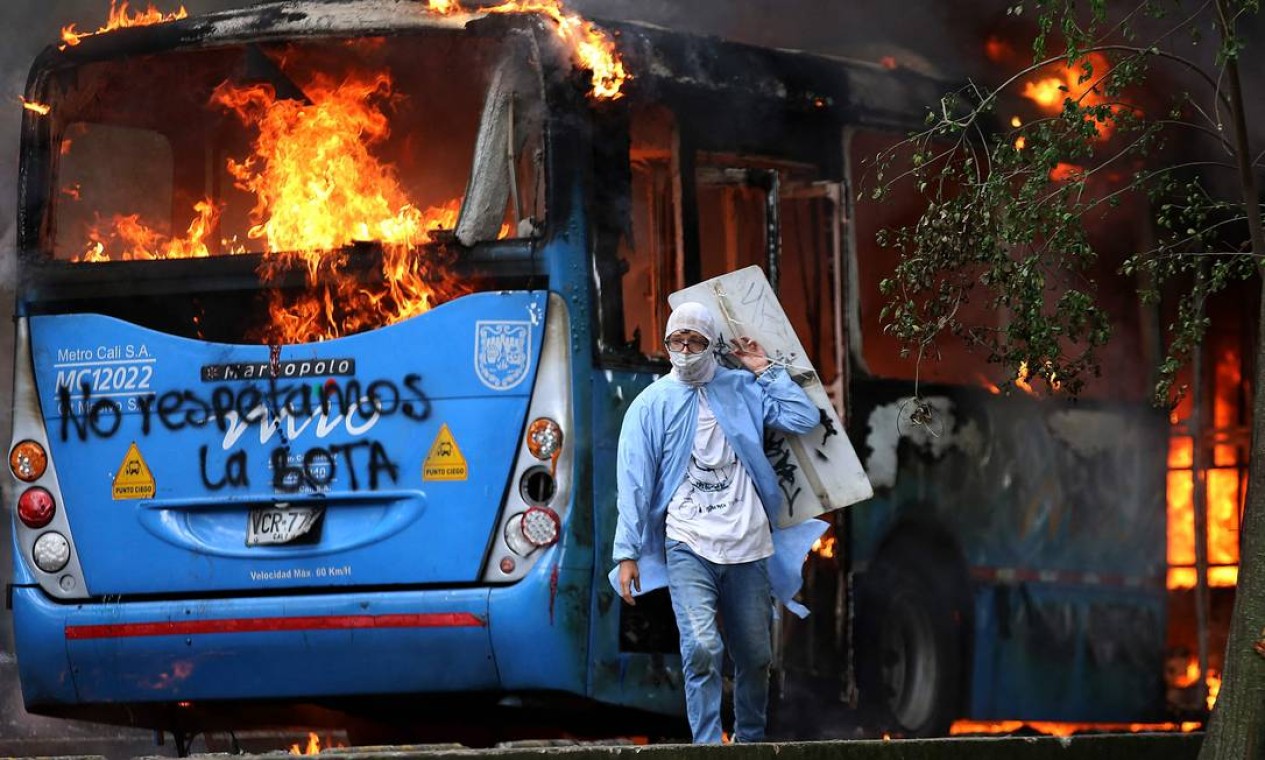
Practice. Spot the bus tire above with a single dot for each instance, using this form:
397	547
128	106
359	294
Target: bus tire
909	648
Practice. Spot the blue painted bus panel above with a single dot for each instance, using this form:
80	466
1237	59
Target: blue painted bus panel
242	648
221	436
539	627
645	680
1068	653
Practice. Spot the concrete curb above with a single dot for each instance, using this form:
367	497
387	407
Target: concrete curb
1102	747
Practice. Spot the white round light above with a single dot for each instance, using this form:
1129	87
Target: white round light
514	538
541	526
51	552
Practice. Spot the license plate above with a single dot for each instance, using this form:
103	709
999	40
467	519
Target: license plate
280	525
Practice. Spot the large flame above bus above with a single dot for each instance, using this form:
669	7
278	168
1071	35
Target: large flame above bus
324	194
321	190
318	188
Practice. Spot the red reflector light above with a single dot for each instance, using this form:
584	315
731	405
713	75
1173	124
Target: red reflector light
36	507
541	526
28	461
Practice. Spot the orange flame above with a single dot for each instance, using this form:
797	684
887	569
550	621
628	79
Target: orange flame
319	188
1189	677
998	49
1021	379
313	746
824	547
1065	83
1063	172
1223	493
591	46
138	241
1066	729
988	384
119	18
40	108
1214	687
1024	375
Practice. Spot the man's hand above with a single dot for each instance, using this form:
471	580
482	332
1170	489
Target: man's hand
629	579
751	354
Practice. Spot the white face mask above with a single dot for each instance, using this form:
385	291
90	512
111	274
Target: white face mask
694	369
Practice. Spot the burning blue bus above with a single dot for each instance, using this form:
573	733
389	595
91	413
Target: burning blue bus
328	315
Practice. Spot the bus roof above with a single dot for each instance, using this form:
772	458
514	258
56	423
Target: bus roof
662	61
674	62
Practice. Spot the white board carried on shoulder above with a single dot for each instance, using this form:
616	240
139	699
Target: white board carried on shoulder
819	471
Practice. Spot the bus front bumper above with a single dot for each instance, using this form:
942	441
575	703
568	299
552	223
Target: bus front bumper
268	647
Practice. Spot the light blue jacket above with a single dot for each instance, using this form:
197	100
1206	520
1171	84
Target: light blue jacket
654	449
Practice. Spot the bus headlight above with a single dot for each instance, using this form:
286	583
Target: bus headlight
544	438
51	552
28	461
36	507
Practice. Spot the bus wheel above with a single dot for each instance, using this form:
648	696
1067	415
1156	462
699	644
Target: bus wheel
909	648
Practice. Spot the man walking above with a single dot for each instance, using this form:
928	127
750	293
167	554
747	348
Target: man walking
698	502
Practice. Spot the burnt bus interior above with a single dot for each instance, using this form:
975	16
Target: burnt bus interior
738	156
733	156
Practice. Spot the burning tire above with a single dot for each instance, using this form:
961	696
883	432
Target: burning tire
910	645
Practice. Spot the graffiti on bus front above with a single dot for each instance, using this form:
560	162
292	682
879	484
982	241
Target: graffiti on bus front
354	406
285	412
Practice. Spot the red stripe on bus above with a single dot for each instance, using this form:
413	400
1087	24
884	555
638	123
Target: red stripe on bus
264	625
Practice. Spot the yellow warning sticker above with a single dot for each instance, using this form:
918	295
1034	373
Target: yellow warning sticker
133	480
444	461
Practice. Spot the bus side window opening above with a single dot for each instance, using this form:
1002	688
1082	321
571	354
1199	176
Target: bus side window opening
950	359
649	249
737	195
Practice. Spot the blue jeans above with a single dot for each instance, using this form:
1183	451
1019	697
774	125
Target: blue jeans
740	594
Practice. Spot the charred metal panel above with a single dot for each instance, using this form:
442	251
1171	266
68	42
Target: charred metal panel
1057	509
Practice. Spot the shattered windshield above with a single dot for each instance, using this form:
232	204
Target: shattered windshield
310	153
